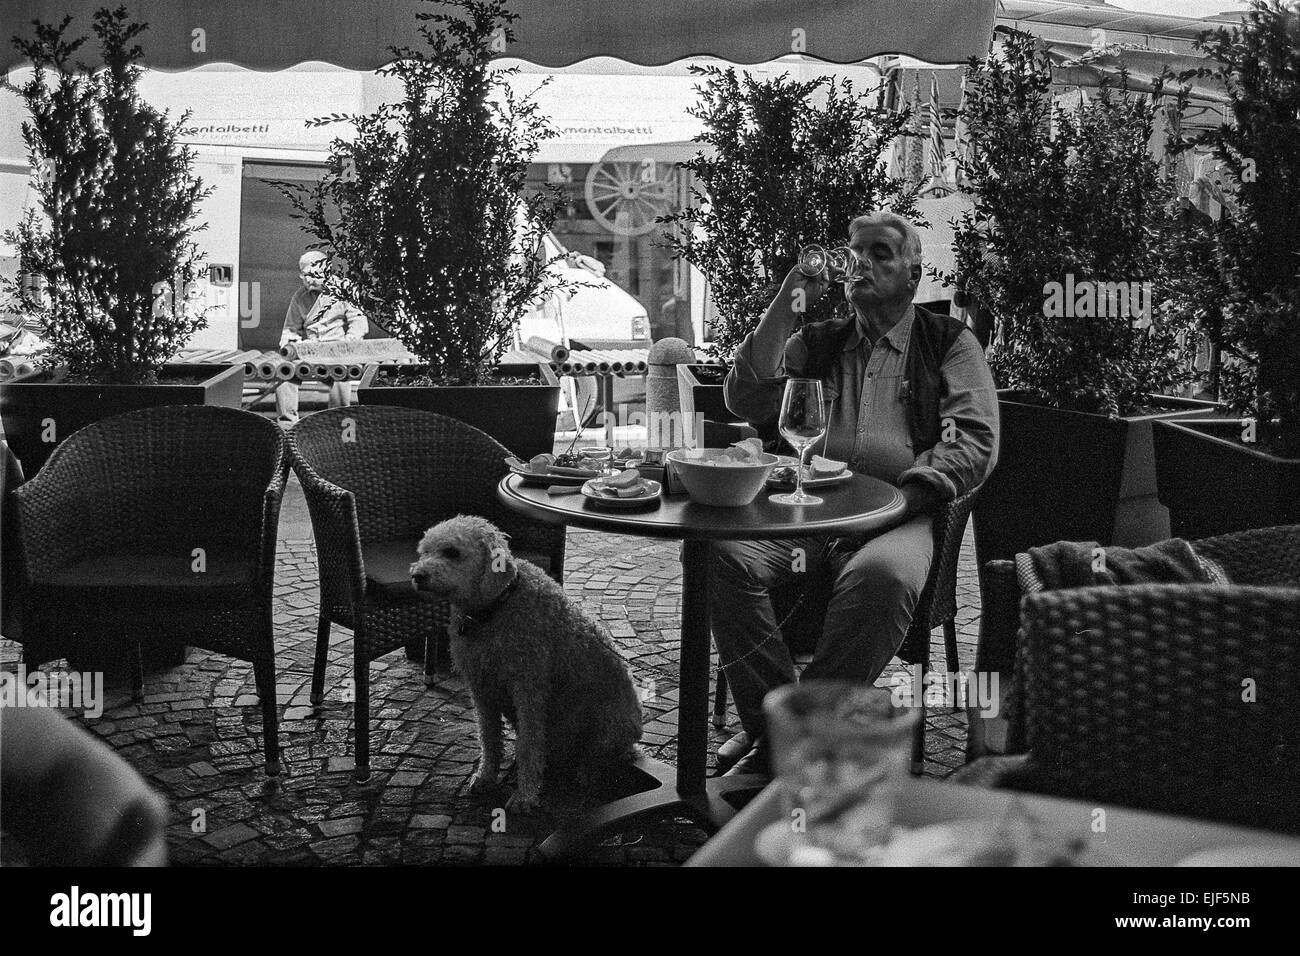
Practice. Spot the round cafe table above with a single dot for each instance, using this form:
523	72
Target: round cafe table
859	505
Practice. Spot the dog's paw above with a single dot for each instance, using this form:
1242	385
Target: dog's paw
483	783
520	802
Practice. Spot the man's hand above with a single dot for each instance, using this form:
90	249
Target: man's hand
812	288
921	498
788	310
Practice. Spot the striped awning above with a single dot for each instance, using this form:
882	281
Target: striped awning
358	34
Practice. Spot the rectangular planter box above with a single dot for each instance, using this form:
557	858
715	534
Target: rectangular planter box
521	417
702	396
1072	476
1213	484
37	409
700	391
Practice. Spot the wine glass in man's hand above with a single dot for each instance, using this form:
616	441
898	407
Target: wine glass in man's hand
807	281
802	422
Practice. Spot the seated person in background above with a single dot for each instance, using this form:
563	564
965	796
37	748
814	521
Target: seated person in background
314	314
911	401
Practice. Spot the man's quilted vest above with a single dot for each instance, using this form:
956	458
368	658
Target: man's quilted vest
932	337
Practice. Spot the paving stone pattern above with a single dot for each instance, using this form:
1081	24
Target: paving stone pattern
196	736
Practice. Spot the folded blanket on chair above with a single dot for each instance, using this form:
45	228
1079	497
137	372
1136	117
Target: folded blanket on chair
1076	564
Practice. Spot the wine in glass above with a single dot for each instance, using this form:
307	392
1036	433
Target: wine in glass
838	265
803	421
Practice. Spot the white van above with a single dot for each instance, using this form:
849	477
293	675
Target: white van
597	314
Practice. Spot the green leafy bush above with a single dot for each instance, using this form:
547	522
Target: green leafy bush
1259	243
1070	193
425	208
785	170
114	249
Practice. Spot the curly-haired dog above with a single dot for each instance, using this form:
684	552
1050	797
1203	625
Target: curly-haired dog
528	654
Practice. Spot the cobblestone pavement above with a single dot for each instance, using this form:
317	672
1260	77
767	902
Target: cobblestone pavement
196	736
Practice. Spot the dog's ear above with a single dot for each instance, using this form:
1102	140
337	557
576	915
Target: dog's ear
499	568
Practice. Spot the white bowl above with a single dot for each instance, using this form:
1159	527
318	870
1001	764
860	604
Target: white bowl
721	486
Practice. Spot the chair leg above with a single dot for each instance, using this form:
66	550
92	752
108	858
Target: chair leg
361	714
439	639
720	700
322	650
264	674
918	734
430	657
137	674
950	654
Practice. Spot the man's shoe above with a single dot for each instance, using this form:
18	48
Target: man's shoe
757	761
733	750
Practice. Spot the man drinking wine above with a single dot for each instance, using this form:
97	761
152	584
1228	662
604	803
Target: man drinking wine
910	400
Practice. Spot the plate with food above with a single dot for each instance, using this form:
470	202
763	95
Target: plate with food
628	457
1017	839
627	489
818	473
550	470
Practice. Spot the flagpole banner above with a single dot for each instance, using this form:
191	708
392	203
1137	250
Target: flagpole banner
961	135
935	121
270	35
916	142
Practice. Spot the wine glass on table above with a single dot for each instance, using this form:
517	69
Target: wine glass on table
802	422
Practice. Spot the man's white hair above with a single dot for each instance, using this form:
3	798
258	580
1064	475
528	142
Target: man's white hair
309	258
911	238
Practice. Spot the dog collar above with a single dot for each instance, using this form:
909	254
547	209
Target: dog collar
470	622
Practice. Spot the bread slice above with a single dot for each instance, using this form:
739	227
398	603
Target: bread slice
624	479
540	464
826	467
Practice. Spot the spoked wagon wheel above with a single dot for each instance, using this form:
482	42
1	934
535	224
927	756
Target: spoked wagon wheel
625	198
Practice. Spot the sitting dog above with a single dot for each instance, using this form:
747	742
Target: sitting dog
528	654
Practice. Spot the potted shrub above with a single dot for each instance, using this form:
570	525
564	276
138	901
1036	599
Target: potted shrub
789	163
1214	475
108	266
1071	246
425	212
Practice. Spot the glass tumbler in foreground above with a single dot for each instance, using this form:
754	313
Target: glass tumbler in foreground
840	750
603	454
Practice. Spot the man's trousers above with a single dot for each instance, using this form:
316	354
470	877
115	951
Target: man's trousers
875	592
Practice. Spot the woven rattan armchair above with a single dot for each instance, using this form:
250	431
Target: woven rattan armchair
157	528
1179	698
376	478
11	476
801	609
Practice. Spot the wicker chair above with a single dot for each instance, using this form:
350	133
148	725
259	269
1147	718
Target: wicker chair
11	476
801	609
1179	698
157	528
376	478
